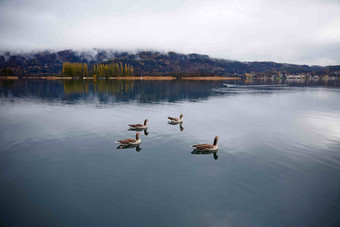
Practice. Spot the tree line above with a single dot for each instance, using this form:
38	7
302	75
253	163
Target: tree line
75	69
98	70
6	72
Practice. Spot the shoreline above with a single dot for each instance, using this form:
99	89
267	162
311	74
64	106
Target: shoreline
143	78
210	78
121	78
9	77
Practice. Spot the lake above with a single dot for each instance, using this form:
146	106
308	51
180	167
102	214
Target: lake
278	162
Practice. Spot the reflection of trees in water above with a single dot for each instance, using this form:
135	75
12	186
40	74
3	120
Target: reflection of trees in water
113	87
144	91
75	87
6	86
6	83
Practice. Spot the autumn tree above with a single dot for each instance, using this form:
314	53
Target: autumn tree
75	69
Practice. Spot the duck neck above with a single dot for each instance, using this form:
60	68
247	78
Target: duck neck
137	136
145	122
215	141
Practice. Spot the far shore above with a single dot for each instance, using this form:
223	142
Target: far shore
122	78
210	78
9	77
143	78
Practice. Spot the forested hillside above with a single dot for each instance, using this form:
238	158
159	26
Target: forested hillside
146	63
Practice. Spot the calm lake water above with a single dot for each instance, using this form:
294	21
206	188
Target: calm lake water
278	162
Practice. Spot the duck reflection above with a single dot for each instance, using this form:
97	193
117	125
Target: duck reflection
130	147
206	153
144	130
180	125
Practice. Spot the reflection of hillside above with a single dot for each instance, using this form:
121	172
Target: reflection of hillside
144	91
134	90
313	83
174	90
289	82
104	90
48	89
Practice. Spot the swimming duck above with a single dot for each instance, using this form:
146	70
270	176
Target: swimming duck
131	141
140	126
174	120
207	147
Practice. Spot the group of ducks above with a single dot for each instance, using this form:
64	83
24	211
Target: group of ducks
139	127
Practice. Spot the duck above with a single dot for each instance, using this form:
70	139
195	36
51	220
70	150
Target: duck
207	147
131	141
174	120
140	126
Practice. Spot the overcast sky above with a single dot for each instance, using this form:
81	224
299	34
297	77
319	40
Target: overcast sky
291	31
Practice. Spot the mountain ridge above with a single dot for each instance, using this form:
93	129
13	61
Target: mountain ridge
151	63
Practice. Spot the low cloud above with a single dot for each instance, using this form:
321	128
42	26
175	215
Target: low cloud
303	32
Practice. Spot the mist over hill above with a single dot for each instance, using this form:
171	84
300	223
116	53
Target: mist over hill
148	63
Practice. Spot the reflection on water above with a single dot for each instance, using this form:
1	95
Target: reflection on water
109	90
278	162
114	87
136	129
214	153
137	147
179	124
147	91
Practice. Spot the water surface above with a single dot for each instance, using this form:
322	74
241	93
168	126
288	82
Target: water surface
277	165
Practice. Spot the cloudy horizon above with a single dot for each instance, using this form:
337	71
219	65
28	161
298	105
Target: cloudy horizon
298	32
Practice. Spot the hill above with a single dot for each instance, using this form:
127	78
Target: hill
148	63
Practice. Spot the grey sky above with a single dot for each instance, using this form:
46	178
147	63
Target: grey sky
300	31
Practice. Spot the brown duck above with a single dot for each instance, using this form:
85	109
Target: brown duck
207	147
140	126
176	120
131	141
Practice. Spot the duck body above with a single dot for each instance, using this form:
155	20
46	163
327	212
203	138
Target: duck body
131	141
206	146
174	120
140	126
